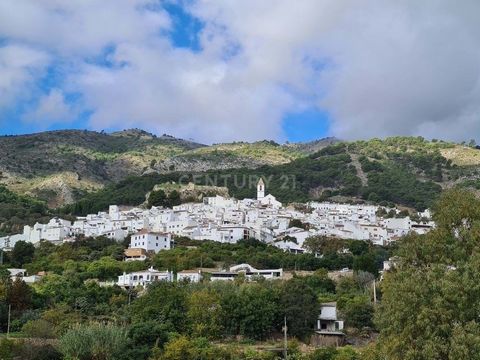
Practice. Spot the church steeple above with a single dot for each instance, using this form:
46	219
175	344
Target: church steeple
260	189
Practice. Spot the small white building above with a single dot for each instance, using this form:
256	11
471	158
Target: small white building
151	241
143	278
249	271
7	243
15	273
22	274
116	234
289	246
328	320
328	329
270	201
192	276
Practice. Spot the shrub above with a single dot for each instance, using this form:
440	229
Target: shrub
95	341
39	328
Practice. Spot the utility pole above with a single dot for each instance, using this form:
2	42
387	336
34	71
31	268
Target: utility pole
8	324
285	343
374	292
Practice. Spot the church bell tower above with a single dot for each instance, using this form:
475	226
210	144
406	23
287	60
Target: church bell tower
260	189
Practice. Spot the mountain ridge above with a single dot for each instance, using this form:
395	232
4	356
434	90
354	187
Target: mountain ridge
61	166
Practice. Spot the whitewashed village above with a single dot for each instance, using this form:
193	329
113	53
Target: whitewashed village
224	220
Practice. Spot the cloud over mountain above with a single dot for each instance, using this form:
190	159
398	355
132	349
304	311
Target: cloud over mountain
378	68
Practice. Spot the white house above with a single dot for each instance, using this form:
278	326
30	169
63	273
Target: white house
289	246
192	276
151	241
270	201
328	329
22	274
143	278
14	273
328	319
7	243
55	231
249	271
116	234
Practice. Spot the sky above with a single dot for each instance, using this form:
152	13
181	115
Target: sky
228	70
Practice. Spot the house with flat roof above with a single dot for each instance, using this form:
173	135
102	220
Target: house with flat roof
192	276
329	328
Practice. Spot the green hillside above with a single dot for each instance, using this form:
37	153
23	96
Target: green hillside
17	211
61	166
402	170
90	170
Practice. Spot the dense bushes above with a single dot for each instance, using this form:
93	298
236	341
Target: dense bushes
17	211
95	341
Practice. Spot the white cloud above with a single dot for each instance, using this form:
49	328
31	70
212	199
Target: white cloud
51	108
380	68
80	27
19	68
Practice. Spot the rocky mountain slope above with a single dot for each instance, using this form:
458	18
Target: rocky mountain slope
406	171
61	166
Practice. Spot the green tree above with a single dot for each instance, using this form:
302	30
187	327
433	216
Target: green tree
174	198
20	295
157	198
366	262
258	310
205	313
39	328
163	302
323	244
430	300
298	302
22	253
358	312
249	309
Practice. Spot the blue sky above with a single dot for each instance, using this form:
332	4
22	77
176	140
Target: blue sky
218	71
